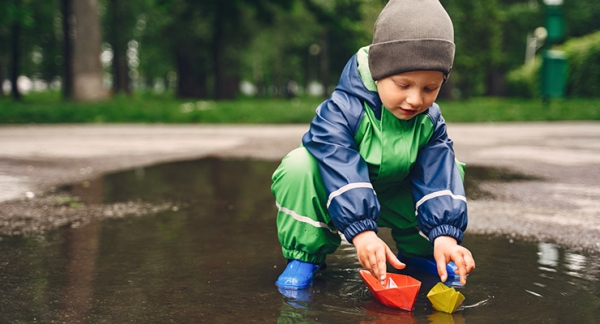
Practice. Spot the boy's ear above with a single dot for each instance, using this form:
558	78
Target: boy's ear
447	75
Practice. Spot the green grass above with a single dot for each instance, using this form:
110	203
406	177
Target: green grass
49	108
513	109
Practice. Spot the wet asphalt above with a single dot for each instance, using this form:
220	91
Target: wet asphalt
557	199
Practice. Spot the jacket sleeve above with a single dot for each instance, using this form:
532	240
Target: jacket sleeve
351	200
441	204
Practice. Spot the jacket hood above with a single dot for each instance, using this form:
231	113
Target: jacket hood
352	84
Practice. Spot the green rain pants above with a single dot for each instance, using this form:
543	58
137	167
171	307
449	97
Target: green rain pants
305	229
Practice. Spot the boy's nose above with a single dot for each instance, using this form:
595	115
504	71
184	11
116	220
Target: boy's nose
414	98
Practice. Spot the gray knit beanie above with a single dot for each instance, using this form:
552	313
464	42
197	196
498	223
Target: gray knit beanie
411	35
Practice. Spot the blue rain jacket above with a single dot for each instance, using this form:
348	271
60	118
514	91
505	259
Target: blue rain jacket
436	184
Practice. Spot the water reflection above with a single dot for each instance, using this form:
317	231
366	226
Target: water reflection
81	253
547	257
216	258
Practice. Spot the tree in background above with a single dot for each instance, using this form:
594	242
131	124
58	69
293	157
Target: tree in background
38	44
67	47
519	19
310	42
478	38
15	16
581	17
280	53
341	35
205	48
119	25
15	55
183	29
205	41
4	36
85	34
43	42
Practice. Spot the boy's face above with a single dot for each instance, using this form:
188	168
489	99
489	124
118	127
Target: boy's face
408	94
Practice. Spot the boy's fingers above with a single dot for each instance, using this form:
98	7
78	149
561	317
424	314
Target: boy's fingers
382	269
393	259
381	266
441	267
462	271
376	265
469	262
373	267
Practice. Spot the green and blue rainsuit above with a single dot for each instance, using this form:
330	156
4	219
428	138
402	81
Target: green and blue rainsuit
359	167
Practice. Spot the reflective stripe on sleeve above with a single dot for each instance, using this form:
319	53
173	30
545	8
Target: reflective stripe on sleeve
347	188
438	194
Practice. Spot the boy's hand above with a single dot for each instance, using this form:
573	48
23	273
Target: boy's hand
373	252
445	249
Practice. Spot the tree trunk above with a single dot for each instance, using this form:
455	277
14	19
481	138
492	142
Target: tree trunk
4	58
191	83
324	64
225	68
120	74
217	51
495	85
2	77
119	47
448	90
67	82
16	60
87	46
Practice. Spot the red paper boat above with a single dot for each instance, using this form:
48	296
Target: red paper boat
400	291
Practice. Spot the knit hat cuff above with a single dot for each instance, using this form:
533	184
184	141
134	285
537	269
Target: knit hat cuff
395	57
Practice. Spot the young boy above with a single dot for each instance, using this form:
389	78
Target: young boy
377	154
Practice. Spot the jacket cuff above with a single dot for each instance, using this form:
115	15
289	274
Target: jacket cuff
446	230
358	227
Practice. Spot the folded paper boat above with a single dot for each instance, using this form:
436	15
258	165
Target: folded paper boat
400	291
444	298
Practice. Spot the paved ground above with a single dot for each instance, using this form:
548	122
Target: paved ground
563	206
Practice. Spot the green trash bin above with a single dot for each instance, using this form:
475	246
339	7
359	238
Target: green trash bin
553	74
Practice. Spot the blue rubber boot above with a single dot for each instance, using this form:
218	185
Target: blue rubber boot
297	275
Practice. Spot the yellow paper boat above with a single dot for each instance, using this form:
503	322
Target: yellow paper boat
444	298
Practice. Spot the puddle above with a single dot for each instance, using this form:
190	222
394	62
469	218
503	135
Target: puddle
215	259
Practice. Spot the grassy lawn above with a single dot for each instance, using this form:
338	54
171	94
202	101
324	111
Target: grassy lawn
49	108
514	109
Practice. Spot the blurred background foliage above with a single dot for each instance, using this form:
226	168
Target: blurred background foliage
224	49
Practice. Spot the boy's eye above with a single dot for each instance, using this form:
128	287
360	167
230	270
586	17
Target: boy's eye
402	86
